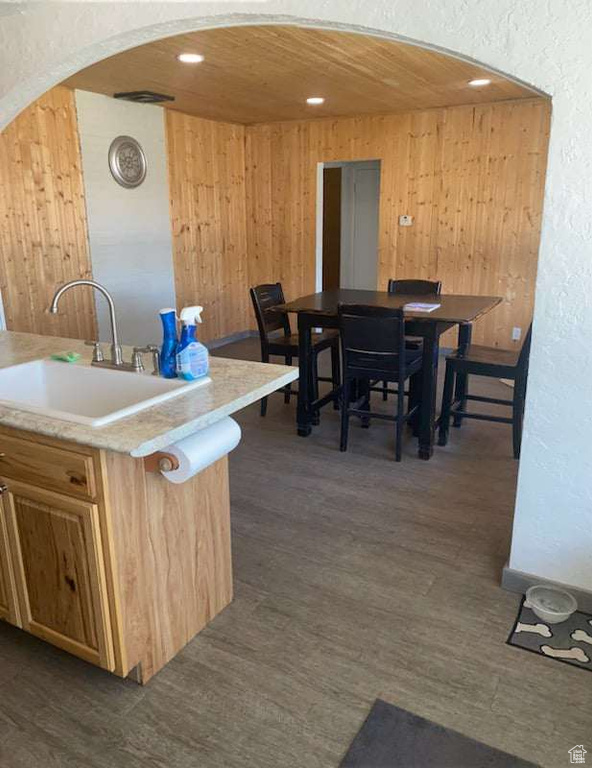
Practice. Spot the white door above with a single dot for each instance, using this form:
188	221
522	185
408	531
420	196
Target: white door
359	257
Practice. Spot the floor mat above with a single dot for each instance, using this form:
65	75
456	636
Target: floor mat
394	738
570	641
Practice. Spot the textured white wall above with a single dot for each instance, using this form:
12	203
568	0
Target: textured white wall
543	42
129	230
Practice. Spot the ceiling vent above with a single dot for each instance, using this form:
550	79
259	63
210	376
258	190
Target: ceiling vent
143	97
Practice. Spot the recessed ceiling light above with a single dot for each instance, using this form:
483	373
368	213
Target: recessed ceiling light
315	100
479	82
190	58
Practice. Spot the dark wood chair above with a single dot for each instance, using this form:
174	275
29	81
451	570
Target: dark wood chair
495	363
373	347
277	339
410	288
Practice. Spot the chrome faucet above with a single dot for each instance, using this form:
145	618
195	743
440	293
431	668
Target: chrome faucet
138	363
116	352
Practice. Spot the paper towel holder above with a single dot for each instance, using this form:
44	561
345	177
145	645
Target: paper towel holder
161	461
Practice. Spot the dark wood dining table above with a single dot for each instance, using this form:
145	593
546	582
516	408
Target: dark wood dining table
319	310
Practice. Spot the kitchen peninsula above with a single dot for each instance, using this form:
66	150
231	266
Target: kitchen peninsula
99	553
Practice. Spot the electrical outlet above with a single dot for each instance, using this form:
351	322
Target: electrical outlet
405	220
516	333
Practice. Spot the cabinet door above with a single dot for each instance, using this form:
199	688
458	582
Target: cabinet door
8	599
59	569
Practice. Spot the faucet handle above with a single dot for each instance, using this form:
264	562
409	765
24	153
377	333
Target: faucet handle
98	355
137	362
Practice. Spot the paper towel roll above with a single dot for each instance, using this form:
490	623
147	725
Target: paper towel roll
203	448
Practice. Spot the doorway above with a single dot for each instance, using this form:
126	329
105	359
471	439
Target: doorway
347	243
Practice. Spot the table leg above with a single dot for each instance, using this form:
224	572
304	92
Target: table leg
304	413
315	413
465	332
364	391
429	386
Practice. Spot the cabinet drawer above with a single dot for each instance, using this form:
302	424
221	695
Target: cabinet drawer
48	467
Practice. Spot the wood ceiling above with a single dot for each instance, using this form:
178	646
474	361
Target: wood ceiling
265	74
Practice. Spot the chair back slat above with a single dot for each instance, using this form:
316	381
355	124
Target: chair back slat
265	297
415	287
372	340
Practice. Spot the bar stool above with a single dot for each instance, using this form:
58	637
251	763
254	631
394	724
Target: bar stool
277	339
411	288
491	362
373	347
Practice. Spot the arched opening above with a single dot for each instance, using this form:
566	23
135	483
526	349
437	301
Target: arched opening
464	165
221	89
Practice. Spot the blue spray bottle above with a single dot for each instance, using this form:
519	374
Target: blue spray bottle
192	357
168	351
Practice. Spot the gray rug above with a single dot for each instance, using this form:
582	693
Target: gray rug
570	641
394	738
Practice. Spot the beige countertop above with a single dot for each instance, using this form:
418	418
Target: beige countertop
235	384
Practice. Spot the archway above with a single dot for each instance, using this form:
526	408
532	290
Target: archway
12	103
136	35
556	461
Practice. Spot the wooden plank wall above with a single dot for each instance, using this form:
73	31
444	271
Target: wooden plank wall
472	178
206	162
243	208
43	232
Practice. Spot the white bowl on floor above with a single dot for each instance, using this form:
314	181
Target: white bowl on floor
551	604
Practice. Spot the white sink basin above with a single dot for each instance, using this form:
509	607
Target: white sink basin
85	394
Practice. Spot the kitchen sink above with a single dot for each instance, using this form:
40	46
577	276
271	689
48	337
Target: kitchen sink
85	394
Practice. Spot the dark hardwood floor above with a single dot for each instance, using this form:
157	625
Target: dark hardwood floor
356	578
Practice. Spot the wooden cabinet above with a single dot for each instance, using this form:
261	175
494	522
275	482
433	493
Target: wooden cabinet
106	559
8	595
57	576
58	561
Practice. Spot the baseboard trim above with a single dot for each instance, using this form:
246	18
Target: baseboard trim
224	340
519	581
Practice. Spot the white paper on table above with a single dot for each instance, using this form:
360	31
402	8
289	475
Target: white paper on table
418	306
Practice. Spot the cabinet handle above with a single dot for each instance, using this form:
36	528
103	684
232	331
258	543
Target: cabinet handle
76	479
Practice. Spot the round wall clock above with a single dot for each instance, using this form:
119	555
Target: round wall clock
127	161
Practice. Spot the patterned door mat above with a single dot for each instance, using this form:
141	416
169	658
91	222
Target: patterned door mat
570	641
